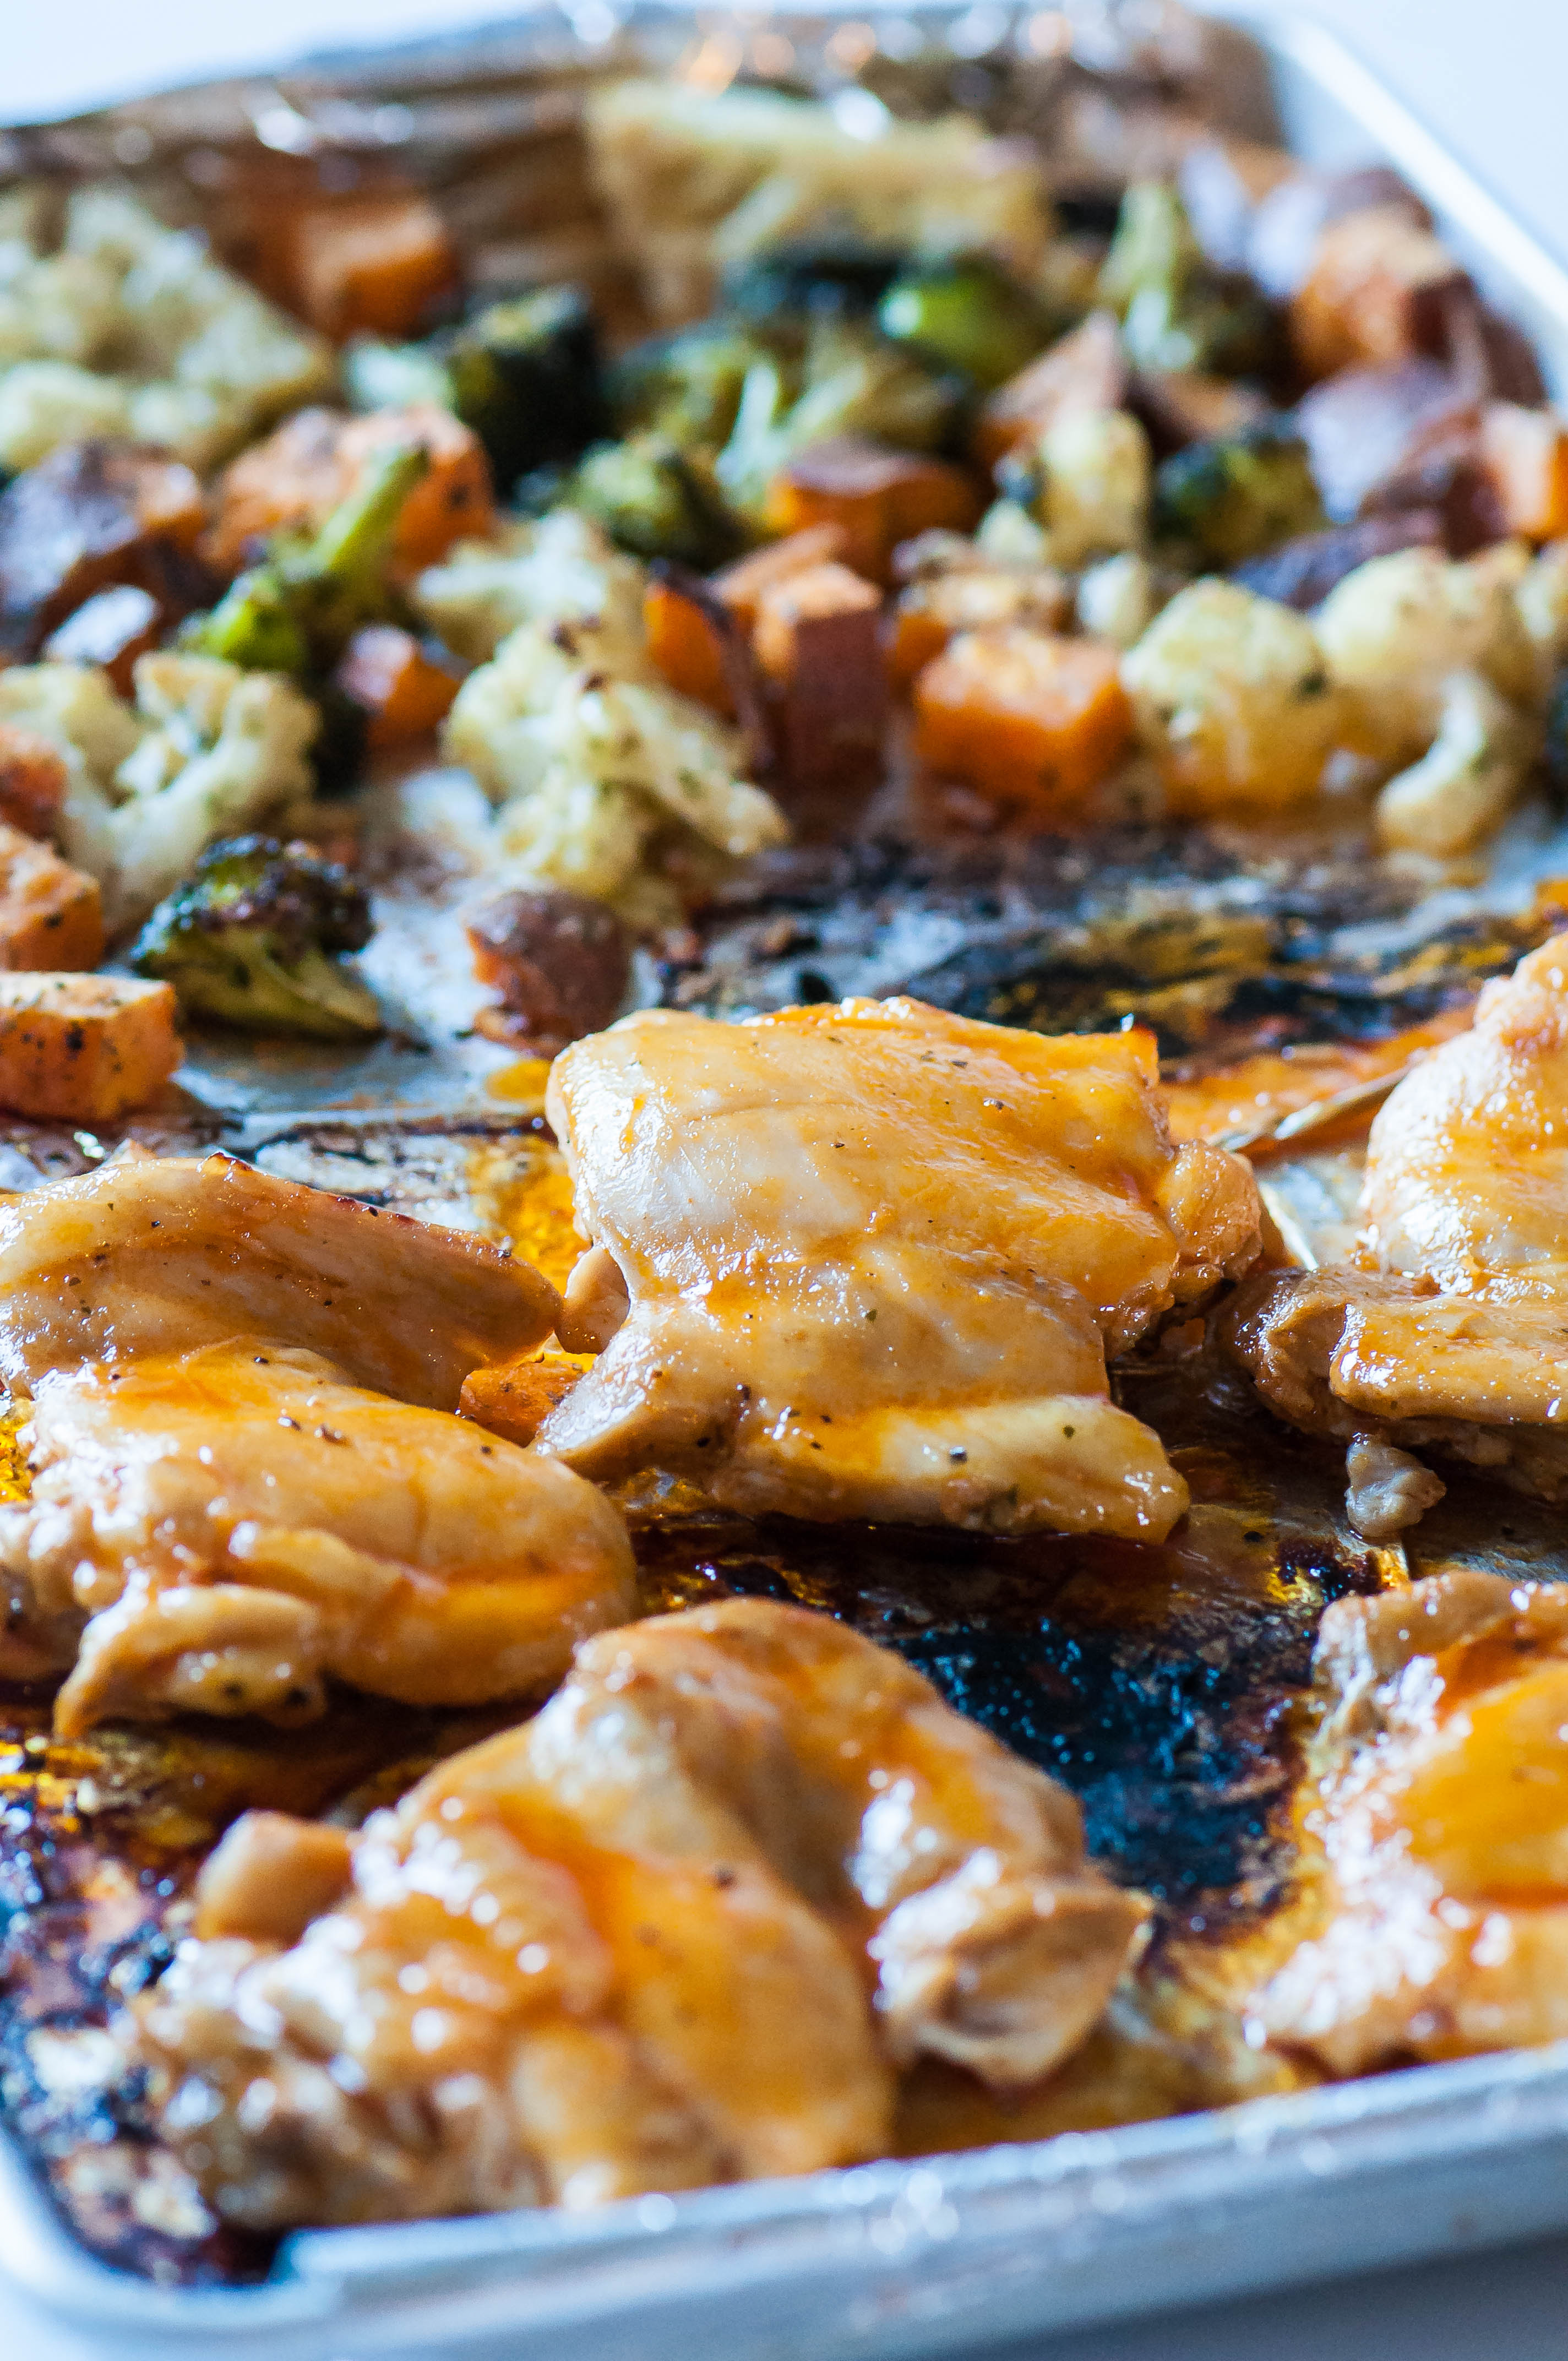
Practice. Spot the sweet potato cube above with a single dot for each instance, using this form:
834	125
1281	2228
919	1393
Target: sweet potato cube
1524	454
51	915
1024	717
684	639
877	498
743	584
84	1048
1380	289
515	1400
386	673
33	780
1085	370
684	642
366	265
817	646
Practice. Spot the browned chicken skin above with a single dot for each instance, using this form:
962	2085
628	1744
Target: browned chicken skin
1453	1333
629	1946
869	1261
1439	1811
223	1511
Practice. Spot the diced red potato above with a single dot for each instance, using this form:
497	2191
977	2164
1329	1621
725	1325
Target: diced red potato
1301	573
560	963
33	780
1360	426
110	630
877	498
1085	370
403	692
1442	468
818	646
1378	292
51	915
291	481
84	1048
89	516
1030	720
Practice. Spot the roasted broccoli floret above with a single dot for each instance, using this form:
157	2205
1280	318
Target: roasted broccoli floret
297	610
253	938
523	372
1177	312
1240	494
656	500
966	314
841	278
687	387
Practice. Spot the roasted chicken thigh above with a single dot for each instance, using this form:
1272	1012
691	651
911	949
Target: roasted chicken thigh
869	1261
223	1511
1439	1816
1453	1332
683	1926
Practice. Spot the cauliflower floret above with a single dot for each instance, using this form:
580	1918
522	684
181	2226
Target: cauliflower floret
1541	598
206	750
608	780
560	570
590	837
1098	477
65	309
1397	631
1009	535
45	404
1233	700
133	329
1468	780
1119	598
108	223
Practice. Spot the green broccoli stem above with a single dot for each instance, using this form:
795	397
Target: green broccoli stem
253	625
356	538
295	611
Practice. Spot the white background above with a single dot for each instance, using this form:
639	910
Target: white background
1491	77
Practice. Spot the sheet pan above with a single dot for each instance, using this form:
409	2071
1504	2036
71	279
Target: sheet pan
902	2259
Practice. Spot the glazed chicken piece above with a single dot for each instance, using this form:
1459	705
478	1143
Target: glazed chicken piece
1455	1334
223	1511
683	1926
161	1254
869	1261
1441	1808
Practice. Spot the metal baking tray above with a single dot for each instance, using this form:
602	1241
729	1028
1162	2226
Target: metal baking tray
931	2256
